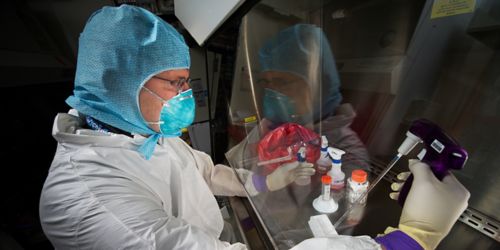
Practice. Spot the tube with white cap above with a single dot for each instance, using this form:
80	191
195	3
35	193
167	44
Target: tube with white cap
301	157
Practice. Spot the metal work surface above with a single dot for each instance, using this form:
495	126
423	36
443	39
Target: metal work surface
379	213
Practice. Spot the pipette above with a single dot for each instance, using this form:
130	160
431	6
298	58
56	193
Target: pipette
441	152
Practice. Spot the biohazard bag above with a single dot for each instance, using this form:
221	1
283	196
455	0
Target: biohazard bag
284	142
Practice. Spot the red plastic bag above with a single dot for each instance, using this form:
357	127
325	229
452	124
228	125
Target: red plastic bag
276	144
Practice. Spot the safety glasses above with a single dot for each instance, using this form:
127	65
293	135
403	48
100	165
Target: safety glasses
175	84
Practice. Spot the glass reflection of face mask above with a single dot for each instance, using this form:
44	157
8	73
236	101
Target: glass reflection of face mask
278	107
176	113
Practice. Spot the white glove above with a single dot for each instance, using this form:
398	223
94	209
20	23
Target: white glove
432	206
287	173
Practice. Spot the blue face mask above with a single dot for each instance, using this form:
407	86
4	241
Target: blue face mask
176	113
278	107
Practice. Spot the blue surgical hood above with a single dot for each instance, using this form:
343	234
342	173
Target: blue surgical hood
120	48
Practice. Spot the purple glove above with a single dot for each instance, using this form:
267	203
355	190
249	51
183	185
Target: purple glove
398	240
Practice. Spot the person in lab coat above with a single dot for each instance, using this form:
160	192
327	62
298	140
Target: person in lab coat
121	177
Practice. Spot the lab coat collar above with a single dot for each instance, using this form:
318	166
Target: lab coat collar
69	128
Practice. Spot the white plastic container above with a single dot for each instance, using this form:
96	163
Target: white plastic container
338	177
323	164
357	185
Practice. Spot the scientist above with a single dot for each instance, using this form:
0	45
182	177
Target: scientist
121	177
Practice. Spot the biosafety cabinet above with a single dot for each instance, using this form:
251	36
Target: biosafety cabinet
365	71
360	72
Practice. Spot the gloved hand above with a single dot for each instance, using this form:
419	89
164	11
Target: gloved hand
432	206
287	173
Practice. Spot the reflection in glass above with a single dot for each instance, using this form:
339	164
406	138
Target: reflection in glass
299	101
360	72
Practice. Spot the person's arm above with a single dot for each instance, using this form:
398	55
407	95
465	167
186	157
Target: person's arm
222	180
431	209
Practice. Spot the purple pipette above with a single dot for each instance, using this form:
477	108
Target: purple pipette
441	152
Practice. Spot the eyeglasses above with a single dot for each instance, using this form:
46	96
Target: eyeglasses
177	84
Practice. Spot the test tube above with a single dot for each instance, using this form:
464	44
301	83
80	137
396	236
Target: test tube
301	157
326	180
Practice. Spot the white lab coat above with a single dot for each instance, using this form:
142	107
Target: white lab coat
100	193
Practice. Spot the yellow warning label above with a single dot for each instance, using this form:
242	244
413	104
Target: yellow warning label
442	8
250	119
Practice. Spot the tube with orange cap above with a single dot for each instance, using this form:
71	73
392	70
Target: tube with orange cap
325	203
325	190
